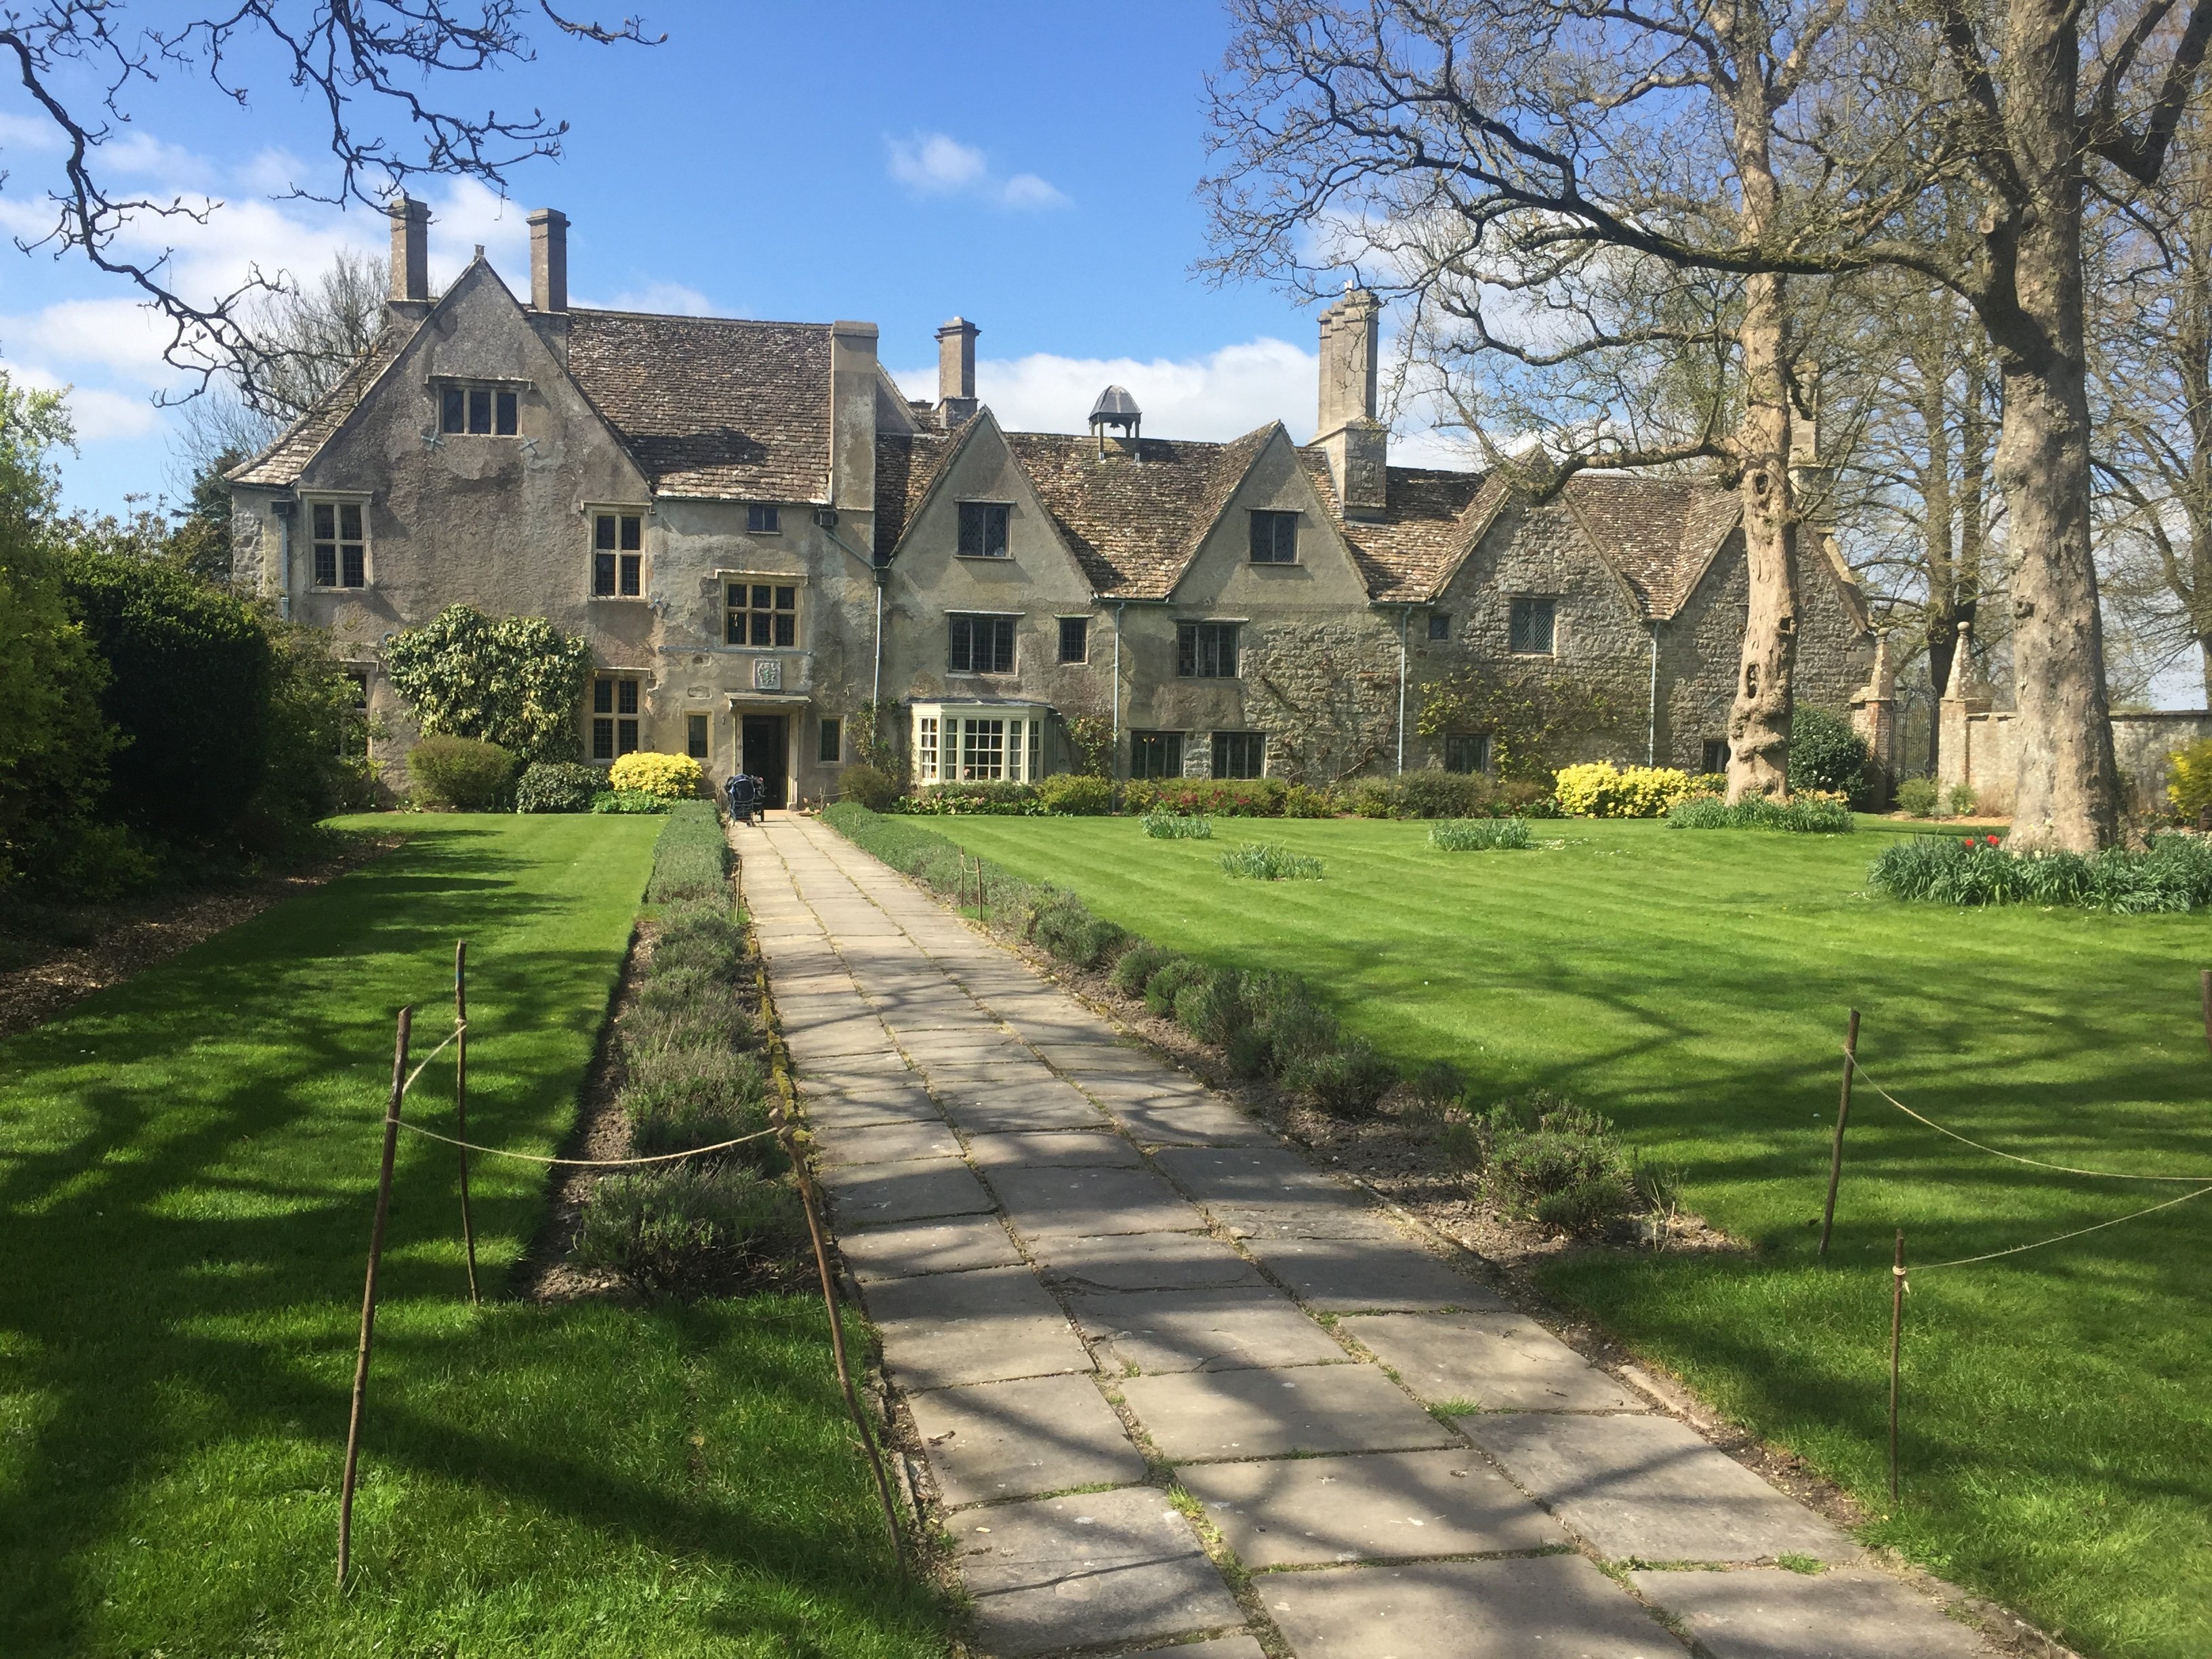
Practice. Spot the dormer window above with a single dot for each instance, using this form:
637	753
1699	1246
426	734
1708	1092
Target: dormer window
485	410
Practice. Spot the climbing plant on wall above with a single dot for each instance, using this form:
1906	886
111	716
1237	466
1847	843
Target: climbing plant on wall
514	681
1529	715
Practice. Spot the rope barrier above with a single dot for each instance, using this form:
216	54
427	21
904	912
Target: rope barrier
1969	1261
586	1163
2014	1158
459	1026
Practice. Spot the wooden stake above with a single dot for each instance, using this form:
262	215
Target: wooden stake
369	1293
1896	1348
1842	1116
461	1103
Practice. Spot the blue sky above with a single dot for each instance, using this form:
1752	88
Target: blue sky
1030	166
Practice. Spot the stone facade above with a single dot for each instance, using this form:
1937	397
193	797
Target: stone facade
787	540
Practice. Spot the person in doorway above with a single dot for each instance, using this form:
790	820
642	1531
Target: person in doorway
742	796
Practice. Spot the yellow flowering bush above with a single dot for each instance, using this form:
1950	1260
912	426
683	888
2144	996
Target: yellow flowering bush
672	777
1599	789
2189	782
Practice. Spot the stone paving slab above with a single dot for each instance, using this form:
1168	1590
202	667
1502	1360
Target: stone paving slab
1771	1613
1328	1218
958	1244
897	1142
1375	1506
1104	1054
1175	1121
1157	1084
1113	1566
1501	1361
1144	1261
1555	1605
990	1326
986	1110
875	1194
1060	1149
1084	1203
1649	1488
1235	1177
1044	1434
1222	1647
1342	1274
827	1110
1243	1415
1158	1331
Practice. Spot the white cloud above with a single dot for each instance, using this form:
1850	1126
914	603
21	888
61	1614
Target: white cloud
936	164
660	298
1221	395
94	413
471	214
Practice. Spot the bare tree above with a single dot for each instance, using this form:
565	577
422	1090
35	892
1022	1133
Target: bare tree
1773	140
358	61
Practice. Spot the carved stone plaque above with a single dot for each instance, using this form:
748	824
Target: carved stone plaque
768	673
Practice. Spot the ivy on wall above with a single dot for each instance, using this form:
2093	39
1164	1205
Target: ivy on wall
515	681
1529	715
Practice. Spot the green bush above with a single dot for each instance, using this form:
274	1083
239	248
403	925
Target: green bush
1266	862
2173	874
1076	796
635	803
1919	797
1827	755
460	772
1225	798
1167	981
1960	801
1805	815
1439	1083
875	790
994	799
1543	1157
1480	835
514	681
1211	1007
1347	1081
686	1230
1165	826
1437	794
558	786
1137	965
189	676
701	932
1304	801
1289	1024
691	859
1370	798
679	1100
1071	932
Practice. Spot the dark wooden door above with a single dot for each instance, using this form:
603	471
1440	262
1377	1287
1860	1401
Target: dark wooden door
767	757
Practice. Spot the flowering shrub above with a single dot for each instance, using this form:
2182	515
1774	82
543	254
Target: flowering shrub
2189	782
1599	789
672	777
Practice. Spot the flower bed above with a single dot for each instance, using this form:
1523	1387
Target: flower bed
2173	873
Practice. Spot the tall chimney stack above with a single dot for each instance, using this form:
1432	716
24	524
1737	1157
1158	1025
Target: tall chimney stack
410	249
549	260
955	371
1357	445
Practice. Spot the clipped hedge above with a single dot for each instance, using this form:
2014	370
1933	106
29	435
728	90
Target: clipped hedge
691	859
1270	1024
463	773
558	786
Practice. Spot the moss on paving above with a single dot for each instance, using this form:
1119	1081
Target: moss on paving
187	1165
2057	1407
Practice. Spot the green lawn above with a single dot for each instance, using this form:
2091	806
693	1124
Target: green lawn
2058	1407
187	1166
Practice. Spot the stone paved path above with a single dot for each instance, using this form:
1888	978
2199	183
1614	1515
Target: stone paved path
1081	1261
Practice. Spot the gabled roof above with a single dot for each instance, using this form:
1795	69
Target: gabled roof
1414	549
1659	533
287	457
1134	524
907	464
712	406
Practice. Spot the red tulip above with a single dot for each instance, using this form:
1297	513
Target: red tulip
1992	840
1966	841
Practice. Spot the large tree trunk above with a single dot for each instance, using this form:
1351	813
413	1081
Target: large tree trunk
2068	792
1759	720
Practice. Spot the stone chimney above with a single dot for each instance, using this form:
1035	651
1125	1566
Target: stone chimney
955	371
411	251
1357	445
549	260
852	377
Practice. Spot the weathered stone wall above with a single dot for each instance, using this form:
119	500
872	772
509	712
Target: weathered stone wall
1980	749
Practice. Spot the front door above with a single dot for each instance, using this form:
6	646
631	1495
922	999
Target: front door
767	755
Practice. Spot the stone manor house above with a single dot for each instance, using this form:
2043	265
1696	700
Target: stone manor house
759	535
